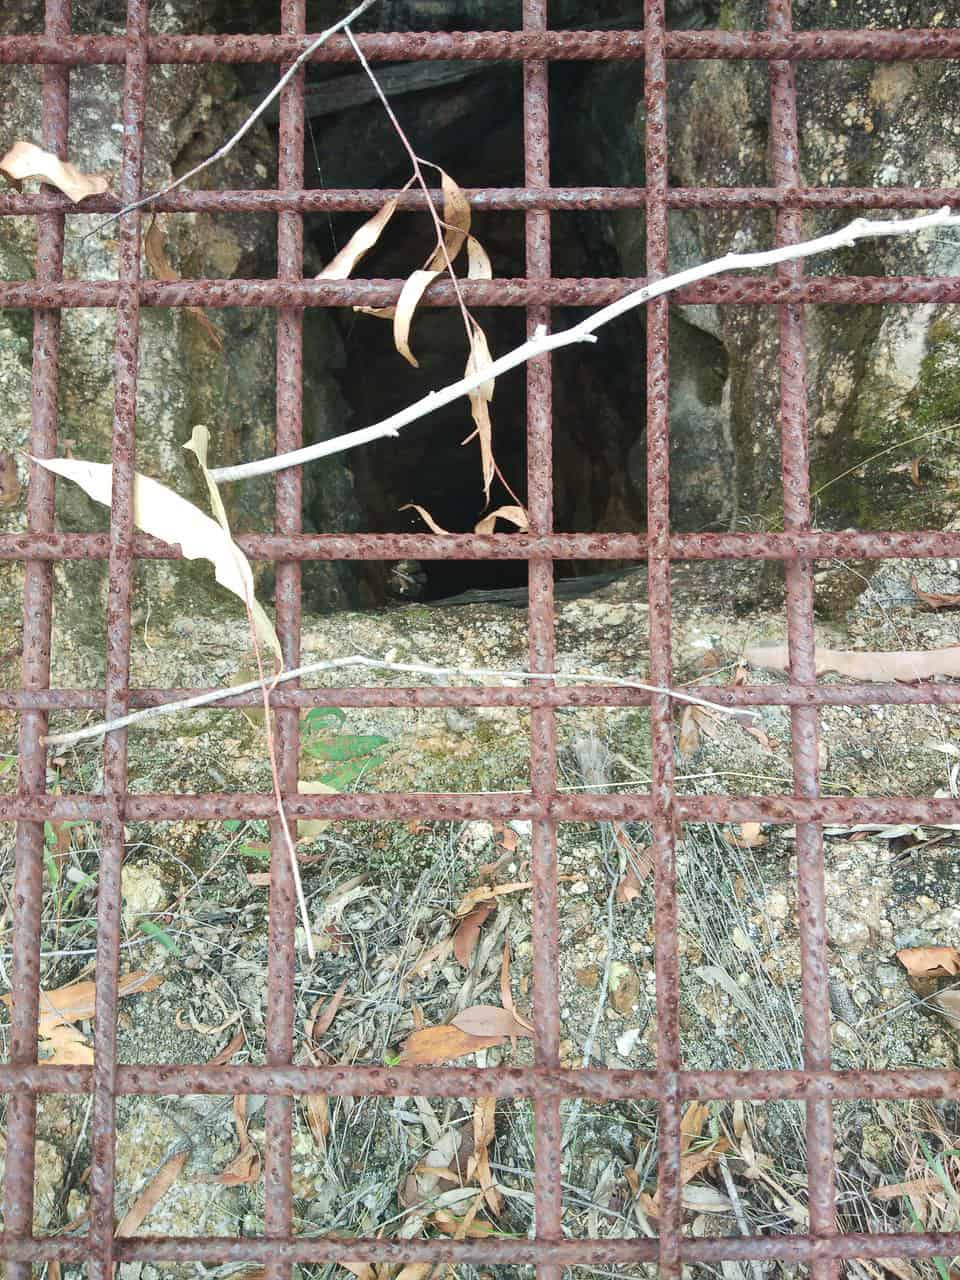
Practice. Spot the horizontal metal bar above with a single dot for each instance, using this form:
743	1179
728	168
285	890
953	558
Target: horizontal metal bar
924	693
500	199
557	292
455	806
182	1080
491	1249
817	545
495	46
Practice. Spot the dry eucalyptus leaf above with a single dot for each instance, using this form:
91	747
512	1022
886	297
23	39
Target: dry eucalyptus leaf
425	516
153	1193
489	1020
24	160
456	219
360	243
63	1045
413	290
309	828
904	665
164	514
478	360
479	266
9	482
443	1043
948	1003
689	740
488	892
514	515
934	599
161	269
930	962
321	1017
76	1001
467	934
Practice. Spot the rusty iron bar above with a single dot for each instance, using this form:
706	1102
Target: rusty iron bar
496	46
556	292
499	199
40	546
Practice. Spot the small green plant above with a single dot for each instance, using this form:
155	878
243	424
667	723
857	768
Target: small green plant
349	755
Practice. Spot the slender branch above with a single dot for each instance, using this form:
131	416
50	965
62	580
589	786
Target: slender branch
251	119
375	664
542	342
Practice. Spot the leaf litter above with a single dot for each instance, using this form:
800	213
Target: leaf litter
25	160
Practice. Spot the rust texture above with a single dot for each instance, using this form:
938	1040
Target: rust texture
798	547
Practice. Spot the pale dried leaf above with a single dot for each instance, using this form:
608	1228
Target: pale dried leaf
691	1124
478	360
198	445
467	934
432	956
244	1168
24	160
441	1044
488	1020
456	219
161	269
318	1118
362	1270
310	828
461	1228
425	516
948	1003
885	665
916	1186
706	1199
153	1193
930	962
479	266
689	740
506	995
413	290
515	515
747	836
933	599
164	514
739	1119
227	1052
360	243
414	1271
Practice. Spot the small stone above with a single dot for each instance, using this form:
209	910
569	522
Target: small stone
628	1042
580	886
476	836
143	891
588	976
777	906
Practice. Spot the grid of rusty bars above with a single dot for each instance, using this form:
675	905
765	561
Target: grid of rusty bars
546	1082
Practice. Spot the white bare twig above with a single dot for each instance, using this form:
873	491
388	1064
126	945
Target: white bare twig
251	119
542	342
376	664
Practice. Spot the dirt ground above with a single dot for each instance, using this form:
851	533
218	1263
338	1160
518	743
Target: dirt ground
383	899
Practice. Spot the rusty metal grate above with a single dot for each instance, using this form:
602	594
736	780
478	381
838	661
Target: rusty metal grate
546	1083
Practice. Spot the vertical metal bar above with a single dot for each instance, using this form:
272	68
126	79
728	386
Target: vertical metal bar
37	620
119	600
811	896
289	489
548	1153
663	841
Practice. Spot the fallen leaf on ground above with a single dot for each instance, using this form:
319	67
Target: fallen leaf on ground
467	934
362	1270
638	869
76	1000
440	1044
688	742
451	1225
747	836
320	1021
692	1162
930	962
153	1193
917	1186
244	1168
318	1118
164	514
478	1166
227	1052
9	482
884	665
24	160
948	1002
488	892
310	828
64	1045
359	244
432	956
161	269
934	599
489	1020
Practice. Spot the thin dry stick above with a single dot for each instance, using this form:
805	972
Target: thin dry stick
375	664
542	342
250	121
